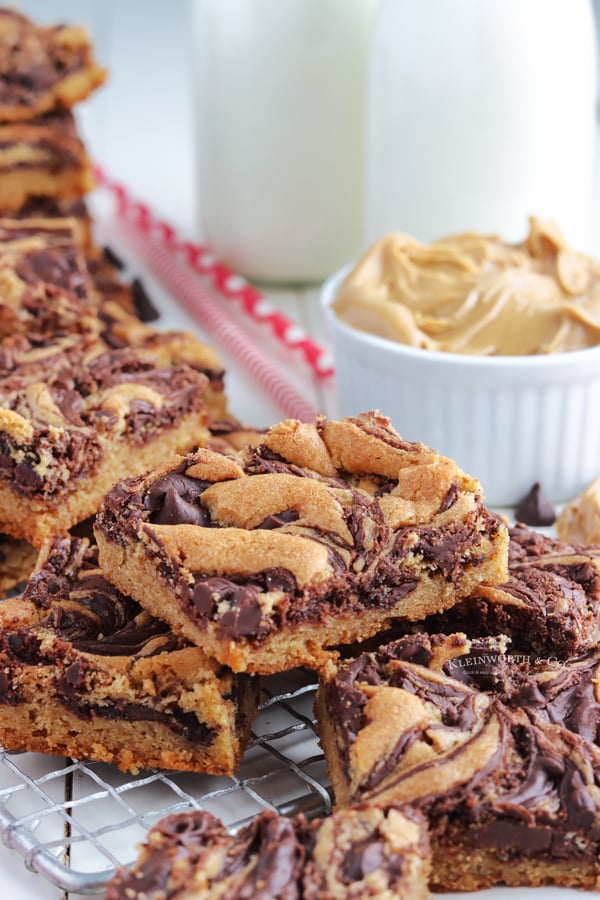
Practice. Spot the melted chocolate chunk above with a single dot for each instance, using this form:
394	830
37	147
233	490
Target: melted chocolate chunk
144	306
143	636
535	508
7	692
569	698
173	498
112	258
443	547
365	858
58	267
243	613
71	691
271	841
276	520
86	610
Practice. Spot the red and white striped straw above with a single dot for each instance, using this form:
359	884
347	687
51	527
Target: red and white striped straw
219	325
226	283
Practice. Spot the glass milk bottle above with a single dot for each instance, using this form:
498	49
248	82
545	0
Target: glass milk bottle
481	112
280	133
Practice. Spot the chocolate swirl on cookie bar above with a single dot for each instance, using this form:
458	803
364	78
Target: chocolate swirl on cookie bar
102	678
502	760
364	852
550	604
313	536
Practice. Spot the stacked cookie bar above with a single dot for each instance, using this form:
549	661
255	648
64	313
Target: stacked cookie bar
491	741
85	671
45	72
88	394
493	737
499	753
45	170
325	533
87	390
171	559
253	561
322	534
75	411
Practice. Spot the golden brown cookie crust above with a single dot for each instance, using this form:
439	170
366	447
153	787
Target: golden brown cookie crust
107	682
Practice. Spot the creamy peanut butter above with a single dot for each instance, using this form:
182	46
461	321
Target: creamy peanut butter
471	293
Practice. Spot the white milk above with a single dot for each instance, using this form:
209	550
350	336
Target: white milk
280	133
481	112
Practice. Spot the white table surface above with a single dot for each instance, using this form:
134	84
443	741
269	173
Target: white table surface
140	126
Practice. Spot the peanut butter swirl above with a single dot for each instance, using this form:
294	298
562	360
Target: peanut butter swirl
475	294
502	760
318	536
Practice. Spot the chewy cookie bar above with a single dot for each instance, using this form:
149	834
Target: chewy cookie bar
120	329
550	604
322	534
496	755
85	672
67	435
549	690
42	68
44	157
353	854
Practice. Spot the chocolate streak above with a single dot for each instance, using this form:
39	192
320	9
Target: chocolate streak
85	612
539	790
365	574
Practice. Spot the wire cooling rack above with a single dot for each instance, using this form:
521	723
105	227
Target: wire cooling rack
76	822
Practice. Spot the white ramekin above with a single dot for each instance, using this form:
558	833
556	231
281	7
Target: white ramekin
509	420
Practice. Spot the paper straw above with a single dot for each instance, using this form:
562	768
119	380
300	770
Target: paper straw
225	282
220	327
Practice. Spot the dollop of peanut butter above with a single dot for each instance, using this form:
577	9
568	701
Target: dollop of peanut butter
471	293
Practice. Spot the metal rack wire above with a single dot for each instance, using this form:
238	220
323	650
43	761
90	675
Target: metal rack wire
76	822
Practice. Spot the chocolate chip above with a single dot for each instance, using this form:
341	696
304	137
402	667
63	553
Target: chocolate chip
74	674
535	509
144	306
112	258
171	500
276	520
177	511
203	598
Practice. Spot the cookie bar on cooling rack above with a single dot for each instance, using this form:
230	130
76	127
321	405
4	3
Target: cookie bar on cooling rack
550	604
70	430
510	793
43	67
352	854
85	672
43	157
550	690
322	534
